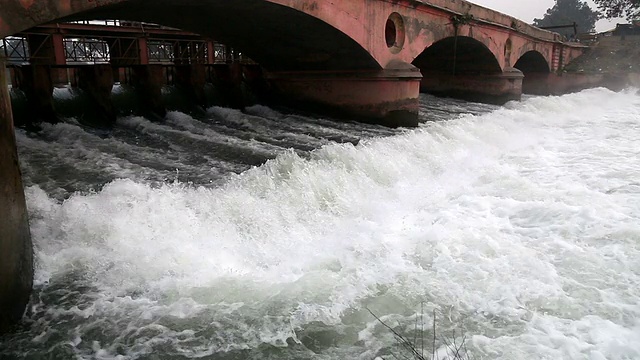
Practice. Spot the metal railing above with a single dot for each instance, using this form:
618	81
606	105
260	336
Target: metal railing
123	23
15	49
120	49
85	50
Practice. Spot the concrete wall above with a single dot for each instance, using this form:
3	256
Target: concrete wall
16	258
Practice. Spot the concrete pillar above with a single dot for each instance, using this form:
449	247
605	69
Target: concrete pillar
37	79
566	82
97	82
37	84
227	78
492	89
192	79
148	81
254	78
388	97
537	83
16	252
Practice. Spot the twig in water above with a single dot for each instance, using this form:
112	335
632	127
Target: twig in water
453	349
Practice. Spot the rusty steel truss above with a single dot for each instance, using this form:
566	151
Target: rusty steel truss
114	41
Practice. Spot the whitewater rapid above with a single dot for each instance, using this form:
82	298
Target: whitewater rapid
519	226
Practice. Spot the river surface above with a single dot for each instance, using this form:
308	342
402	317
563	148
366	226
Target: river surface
268	235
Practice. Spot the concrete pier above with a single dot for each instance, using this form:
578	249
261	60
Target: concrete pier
37	84
192	78
148	81
493	89
388	97
16	253
97	82
228	78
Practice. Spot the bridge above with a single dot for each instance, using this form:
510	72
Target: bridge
366	59
94	55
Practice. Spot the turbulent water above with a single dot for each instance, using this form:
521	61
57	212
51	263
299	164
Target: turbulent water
266	235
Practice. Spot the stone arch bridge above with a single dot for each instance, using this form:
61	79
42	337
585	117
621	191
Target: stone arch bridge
366	58
361	57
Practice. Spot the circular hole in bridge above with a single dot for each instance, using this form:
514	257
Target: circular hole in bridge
390	33
394	32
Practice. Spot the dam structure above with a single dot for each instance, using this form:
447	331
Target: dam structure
364	59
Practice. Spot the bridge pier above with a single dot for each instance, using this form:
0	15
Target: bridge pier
492	89
192	79
37	83
388	97
16	253
538	83
148	81
97	82
567	82
228	79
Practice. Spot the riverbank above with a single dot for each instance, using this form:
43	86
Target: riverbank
613	62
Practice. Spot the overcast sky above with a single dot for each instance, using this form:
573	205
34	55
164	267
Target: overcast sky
527	10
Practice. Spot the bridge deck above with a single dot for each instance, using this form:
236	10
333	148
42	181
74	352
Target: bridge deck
490	16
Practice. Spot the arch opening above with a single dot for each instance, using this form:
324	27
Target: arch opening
458	56
532	62
464	68
536	73
278	37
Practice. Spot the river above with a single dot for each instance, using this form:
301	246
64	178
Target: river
269	235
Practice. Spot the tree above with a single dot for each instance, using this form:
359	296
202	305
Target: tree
567	12
620	8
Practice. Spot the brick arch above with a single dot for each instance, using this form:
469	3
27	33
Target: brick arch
458	55
351	33
281	35
532	61
545	50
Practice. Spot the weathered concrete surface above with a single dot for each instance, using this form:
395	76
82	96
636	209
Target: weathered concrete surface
613	62
388	97
148	81
567	82
37	84
492	89
16	254
97	82
192	78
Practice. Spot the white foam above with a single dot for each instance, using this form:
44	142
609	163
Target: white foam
507	219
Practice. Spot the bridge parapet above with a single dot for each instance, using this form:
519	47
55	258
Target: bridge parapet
483	14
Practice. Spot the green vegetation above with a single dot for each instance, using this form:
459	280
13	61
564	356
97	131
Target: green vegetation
620	8
567	12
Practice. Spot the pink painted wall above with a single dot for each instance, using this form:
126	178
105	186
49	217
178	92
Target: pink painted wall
426	23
